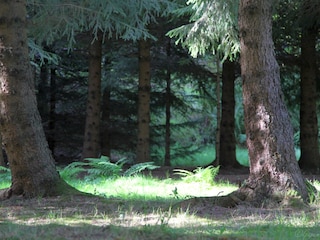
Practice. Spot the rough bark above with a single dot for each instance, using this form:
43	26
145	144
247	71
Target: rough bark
310	156
143	151
92	144
31	162
227	136
274	170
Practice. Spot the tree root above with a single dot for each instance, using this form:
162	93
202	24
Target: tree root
245	195
5	194
61	188
229	201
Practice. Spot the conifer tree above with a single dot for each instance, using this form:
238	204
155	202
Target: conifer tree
213	28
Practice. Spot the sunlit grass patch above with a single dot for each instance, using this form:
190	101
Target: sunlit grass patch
141	207
149	188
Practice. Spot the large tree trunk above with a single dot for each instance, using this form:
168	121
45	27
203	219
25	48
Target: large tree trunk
143	151
31	162
273	166
227	136
91	144
310	156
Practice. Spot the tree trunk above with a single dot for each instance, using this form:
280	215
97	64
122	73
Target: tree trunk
310	157
273	166
52	111
143	151
91	144
227	136
218	130
42	97
167	161
31	162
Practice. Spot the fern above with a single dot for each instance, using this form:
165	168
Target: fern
206	175
4	169
94	168
5	174
137	168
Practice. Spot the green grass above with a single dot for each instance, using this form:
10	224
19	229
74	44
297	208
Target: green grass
207	156
136	207
142	207
147	188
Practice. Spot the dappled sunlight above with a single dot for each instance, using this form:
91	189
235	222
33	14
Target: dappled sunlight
106	220
143	188
144	207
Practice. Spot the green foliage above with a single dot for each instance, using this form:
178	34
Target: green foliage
213	27
96	168
93	168
55	19
5	174
206	175
139	167
313	193
36	52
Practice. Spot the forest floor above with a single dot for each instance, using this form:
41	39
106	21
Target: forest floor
232	175
93	217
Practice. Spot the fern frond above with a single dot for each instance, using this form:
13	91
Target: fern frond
182	172
206	175
137	168
93	168
5	174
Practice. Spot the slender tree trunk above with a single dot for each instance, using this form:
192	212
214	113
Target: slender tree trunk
309	142
52	111
42	97
31	162
91	144
227	136
218	130
273	166
143	151
106	141
167	161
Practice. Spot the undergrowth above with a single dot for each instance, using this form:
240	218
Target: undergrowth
93	168
200	174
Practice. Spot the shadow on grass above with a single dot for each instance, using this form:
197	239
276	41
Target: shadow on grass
11	230
138	216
